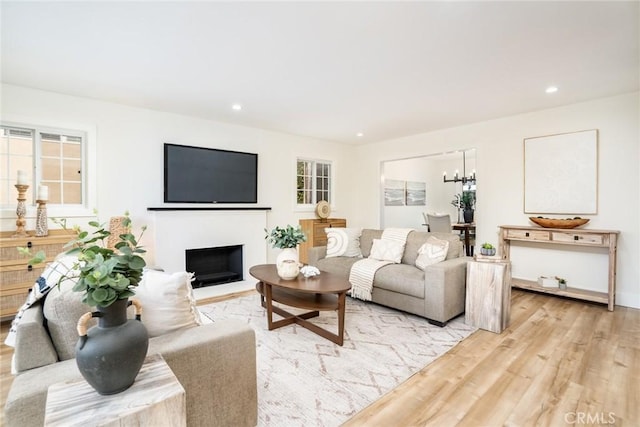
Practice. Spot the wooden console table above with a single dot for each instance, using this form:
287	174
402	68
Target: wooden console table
606	239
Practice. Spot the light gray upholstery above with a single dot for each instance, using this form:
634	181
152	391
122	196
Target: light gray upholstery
215	363
439	223
437	293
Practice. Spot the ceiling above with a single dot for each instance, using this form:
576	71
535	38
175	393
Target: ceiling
327	70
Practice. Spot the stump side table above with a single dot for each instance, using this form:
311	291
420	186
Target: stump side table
488	301
155	398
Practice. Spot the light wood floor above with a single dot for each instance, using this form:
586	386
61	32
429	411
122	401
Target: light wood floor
560	362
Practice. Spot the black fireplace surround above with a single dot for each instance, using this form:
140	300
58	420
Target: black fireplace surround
215	266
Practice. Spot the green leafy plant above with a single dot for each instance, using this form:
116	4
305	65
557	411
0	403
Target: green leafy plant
103	274
486	245
465	200
288	237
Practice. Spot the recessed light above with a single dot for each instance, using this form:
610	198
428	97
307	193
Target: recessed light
551	89
236	107
359	134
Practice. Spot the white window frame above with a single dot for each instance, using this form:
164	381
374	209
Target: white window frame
89	178
305	207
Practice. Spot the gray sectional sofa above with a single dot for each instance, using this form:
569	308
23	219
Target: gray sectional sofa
215	363
437	293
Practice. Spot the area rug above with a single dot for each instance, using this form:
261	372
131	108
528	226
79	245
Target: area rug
306	380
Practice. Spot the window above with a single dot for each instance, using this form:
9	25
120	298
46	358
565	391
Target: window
51	157
313	182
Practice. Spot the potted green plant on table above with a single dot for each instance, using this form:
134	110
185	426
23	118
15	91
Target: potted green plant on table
287	239
487	249
465	202
109	355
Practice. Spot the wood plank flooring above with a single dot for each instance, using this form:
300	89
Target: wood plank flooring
560	362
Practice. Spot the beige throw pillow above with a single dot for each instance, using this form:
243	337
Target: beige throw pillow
343	242
167	302
387	250
434	250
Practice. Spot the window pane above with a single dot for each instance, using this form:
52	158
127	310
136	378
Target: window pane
72	150
54	192
50	169
50	149
21	146
72	193
71	170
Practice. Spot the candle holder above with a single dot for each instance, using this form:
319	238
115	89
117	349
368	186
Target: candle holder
21	210
41	219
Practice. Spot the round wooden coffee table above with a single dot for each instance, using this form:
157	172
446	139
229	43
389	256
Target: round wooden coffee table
326	292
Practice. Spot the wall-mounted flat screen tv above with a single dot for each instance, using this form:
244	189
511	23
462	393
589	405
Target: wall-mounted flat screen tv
208	175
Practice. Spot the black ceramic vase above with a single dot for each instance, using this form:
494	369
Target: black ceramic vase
110	355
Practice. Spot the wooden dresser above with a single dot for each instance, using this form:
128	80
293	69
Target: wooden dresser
605	239
316	236
16	275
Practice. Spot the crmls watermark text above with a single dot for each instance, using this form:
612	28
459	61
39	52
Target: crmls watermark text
588	418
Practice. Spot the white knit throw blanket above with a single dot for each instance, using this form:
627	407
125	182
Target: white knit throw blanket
363	271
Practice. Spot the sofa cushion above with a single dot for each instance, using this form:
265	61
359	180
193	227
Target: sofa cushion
343	242
366	240
401	278
387	250
167	300
62	309
433	251
167	303
338	265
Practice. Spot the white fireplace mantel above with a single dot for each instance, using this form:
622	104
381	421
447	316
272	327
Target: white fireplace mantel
176	230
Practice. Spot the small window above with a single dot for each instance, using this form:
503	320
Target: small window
313	182
54	158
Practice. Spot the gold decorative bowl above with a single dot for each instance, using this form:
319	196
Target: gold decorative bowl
559	223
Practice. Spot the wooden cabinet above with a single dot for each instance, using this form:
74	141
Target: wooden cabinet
316	236
605	239
16	275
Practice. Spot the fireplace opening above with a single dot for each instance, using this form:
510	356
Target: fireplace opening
214	266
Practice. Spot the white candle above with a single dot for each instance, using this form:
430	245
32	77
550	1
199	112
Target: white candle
22	178
43	192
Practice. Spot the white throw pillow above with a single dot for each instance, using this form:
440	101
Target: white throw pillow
167	302
387	250
434	250
343	242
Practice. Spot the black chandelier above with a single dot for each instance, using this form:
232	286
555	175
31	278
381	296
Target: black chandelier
464	179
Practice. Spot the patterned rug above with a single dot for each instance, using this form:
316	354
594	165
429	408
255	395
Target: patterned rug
306	380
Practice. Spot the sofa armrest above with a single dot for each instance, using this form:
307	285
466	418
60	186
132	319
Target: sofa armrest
316	253
216	365
445	285
33	346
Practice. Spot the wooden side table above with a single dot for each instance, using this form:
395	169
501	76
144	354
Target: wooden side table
488	302
155	398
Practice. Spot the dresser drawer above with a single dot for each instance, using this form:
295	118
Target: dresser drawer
11	256
17	274
537	235
11	301
580	238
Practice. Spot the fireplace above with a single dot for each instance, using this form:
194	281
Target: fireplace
215	266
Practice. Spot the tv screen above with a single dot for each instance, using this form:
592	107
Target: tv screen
207	175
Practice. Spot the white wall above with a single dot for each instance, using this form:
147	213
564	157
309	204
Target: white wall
129	155
499	167
129	166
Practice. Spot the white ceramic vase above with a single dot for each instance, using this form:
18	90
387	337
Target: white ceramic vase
288	264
